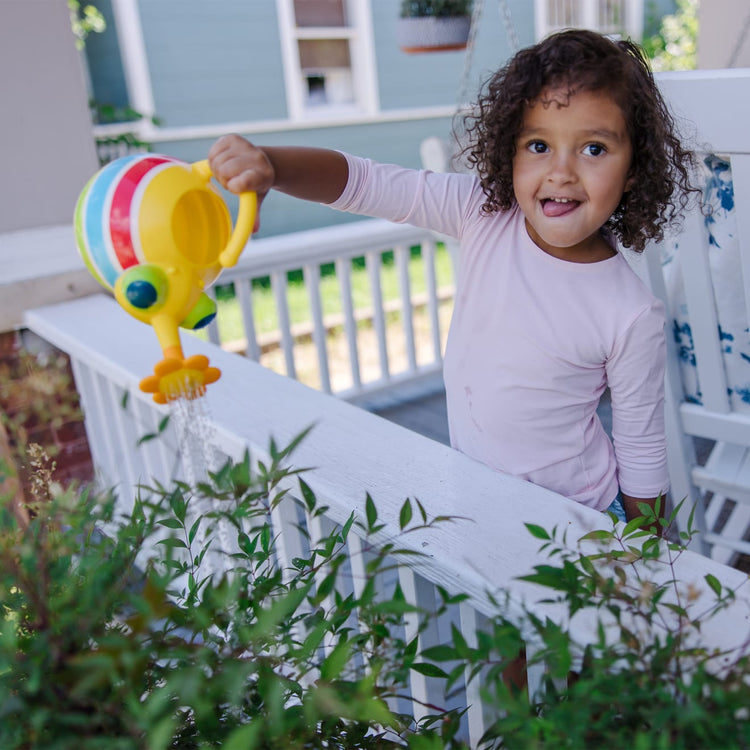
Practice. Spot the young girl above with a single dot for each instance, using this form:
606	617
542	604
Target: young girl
574	149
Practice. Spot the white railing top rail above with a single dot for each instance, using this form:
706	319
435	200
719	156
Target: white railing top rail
351	452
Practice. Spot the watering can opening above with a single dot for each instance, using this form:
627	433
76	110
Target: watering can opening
200	226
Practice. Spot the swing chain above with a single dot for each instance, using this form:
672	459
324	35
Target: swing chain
510	29
511	35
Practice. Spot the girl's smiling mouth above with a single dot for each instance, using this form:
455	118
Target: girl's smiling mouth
553	207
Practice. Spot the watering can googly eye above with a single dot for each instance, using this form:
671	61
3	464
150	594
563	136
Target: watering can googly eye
157	233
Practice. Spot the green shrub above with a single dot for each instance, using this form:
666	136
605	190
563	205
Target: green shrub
647	681
115	633
118	633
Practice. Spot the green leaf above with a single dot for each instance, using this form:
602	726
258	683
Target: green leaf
547	575
460	642
308	495
246	544
170	523
175	565
325	587
651	547
691	517
247	737
346	528
202	554
160	735
405	515
634	524
440	653
429	670
313	640
676	608
394	607
371	511
194	530
647	510
411	650
178	505
537	531
280	610
425	742
335	662
173	542
265	538
714	583
598	535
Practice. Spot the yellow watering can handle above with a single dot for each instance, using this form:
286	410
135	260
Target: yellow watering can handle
243	227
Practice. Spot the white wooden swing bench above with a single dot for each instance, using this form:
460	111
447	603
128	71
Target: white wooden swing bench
354	452
703	275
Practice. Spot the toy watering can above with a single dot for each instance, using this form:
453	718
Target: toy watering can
156	232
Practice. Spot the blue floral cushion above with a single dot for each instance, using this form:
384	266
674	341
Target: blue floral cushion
726	275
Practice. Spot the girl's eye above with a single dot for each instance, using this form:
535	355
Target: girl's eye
537	147
594	149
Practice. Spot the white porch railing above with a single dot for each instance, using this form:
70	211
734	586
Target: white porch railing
371	349
351	452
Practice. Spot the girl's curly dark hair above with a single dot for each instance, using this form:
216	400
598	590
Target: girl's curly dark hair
581	60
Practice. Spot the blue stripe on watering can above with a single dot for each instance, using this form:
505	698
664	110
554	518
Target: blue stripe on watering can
96	218
81	242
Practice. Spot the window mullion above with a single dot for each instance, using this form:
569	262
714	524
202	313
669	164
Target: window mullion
328	69
324	32
295	96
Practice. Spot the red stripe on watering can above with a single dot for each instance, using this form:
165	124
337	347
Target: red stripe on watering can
120	213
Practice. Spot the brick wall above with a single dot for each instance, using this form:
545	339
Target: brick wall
39	404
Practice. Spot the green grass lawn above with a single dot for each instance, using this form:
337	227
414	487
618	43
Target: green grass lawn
229	315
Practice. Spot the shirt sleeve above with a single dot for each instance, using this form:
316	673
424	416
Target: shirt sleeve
635	374
431	200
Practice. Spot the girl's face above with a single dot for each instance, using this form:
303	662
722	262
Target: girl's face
570	170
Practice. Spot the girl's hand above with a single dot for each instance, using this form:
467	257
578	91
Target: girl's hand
313	174
241	167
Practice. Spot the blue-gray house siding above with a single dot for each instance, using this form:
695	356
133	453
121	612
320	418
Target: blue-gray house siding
219	61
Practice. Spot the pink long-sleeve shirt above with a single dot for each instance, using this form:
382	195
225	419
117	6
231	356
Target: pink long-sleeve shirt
533	343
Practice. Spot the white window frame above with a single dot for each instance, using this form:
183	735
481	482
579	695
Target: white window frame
587	15
362	52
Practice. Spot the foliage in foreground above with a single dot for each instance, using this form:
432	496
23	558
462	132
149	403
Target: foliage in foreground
647	680
119	633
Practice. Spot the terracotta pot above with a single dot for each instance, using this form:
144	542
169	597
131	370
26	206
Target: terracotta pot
430	34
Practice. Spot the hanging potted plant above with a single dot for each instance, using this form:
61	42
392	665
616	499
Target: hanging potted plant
434	25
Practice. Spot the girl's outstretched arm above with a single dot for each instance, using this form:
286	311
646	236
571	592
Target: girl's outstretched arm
314	174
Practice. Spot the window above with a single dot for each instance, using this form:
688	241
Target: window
615	17
328	57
